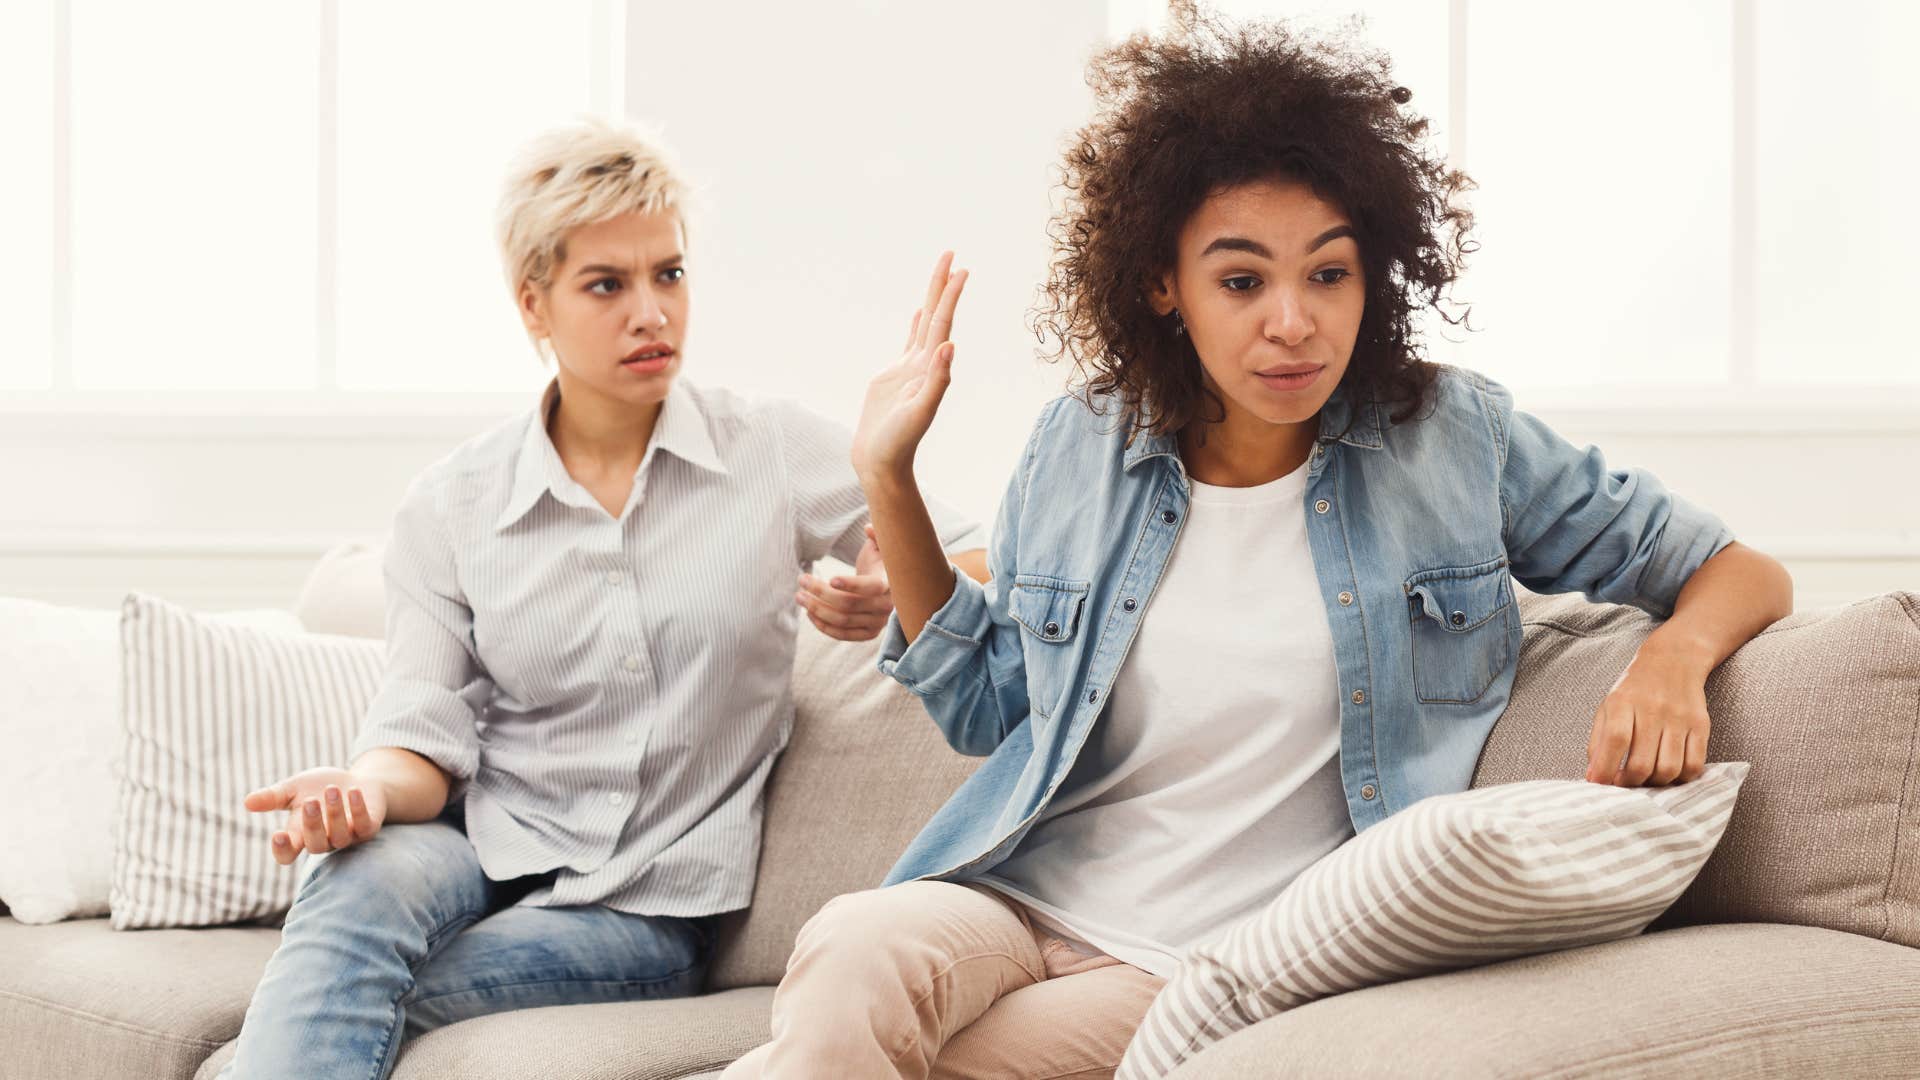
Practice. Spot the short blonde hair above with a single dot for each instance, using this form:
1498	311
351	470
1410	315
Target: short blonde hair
581	174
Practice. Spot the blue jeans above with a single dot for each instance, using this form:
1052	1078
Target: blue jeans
403	934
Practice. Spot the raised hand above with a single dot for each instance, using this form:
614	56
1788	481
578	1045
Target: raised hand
903	397
327	809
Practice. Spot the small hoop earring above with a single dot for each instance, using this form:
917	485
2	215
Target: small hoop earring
1179	324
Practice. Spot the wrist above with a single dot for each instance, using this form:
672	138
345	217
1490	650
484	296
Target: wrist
1675	649
889	480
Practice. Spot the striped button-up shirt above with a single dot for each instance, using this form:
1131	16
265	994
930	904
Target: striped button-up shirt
609	693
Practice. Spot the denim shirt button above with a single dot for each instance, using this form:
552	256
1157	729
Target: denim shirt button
1346	598
1053	628
1359	697
1093	696
1458	618
1129	604
1368	793
1322	506
1168	516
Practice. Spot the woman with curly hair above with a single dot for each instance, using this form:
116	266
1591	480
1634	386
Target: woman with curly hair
1251	587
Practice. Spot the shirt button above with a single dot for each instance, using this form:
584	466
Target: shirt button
615	577
1316	449
1346	598
1169	516
1359	697
1459	618
1093	696
1368	792
1129	605
1322	506
614	797
633	663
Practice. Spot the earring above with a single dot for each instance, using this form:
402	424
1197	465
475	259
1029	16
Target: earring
1179	324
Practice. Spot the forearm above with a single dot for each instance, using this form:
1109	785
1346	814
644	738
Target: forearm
416	789
918	571
1732	597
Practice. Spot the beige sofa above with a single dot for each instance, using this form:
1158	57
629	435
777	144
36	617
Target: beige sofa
1793	955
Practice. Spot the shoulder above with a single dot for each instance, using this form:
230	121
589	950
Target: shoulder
482	465
1463	405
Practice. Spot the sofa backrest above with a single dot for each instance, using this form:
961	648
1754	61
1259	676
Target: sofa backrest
1825	704
865	769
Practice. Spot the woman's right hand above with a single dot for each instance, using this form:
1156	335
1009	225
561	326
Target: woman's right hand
327	809
903	397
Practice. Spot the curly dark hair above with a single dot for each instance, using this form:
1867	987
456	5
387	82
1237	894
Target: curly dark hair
1212	105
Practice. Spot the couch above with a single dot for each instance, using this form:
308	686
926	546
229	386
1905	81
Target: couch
1793	954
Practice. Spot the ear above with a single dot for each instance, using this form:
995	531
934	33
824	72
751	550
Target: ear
533	309
1161	295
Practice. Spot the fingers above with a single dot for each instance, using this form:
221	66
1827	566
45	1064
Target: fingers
273	797
313	826
1612	736
1644	753
1672	757
940	323
913	331
363	824
845	615
339	834
1696	761
942	270
284	849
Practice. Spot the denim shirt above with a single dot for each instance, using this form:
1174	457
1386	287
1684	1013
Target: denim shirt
1417	531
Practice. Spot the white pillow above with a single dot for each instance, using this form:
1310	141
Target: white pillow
1449	882
60	740
211	713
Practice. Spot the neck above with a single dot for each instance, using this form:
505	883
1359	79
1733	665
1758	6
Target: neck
1244	450
590	428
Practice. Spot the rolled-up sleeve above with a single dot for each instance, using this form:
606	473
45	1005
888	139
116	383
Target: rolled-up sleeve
1571	524
434	688
830	513
967	664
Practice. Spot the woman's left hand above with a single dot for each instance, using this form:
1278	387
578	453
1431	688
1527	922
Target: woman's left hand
1656	717
851	607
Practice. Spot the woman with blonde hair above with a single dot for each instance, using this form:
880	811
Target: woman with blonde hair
591	613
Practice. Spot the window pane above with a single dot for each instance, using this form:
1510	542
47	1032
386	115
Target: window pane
1836	110
422	304
194	179
1604	176
26	194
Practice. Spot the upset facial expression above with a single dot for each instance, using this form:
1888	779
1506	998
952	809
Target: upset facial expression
615	311
1269	283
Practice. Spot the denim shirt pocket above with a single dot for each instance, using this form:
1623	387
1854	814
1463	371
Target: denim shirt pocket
1048	609
1462	621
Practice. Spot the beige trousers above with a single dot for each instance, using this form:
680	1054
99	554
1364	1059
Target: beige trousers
932	979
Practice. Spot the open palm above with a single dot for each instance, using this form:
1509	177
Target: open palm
903	397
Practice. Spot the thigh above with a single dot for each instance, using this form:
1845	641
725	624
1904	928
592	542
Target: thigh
1075	1027
419	881
527	957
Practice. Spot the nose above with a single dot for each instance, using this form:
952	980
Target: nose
647	314
1288	320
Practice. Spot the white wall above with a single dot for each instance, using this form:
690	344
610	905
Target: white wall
840	148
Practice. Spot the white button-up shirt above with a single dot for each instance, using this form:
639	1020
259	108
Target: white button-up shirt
609	693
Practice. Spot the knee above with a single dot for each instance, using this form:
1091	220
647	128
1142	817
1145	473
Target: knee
399	878
876	930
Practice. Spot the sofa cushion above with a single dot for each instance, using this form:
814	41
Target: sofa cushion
1824	704
864	770
1739	1000
639	1040
345	593
79	1000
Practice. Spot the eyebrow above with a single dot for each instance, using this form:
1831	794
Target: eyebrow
1254	247
623	271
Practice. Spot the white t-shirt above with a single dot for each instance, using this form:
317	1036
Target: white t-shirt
1213	777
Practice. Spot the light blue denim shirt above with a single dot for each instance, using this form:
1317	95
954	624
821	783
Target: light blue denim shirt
1417	531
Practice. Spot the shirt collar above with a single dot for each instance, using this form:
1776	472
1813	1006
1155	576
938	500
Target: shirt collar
1364	433
681	430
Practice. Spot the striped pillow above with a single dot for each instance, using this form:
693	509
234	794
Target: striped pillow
211	712
1449	882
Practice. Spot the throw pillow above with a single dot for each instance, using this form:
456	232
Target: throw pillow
211	713
1449	882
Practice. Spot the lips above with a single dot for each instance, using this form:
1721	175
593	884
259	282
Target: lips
1290	378
656	351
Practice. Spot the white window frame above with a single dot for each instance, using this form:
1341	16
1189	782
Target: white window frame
1739	405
